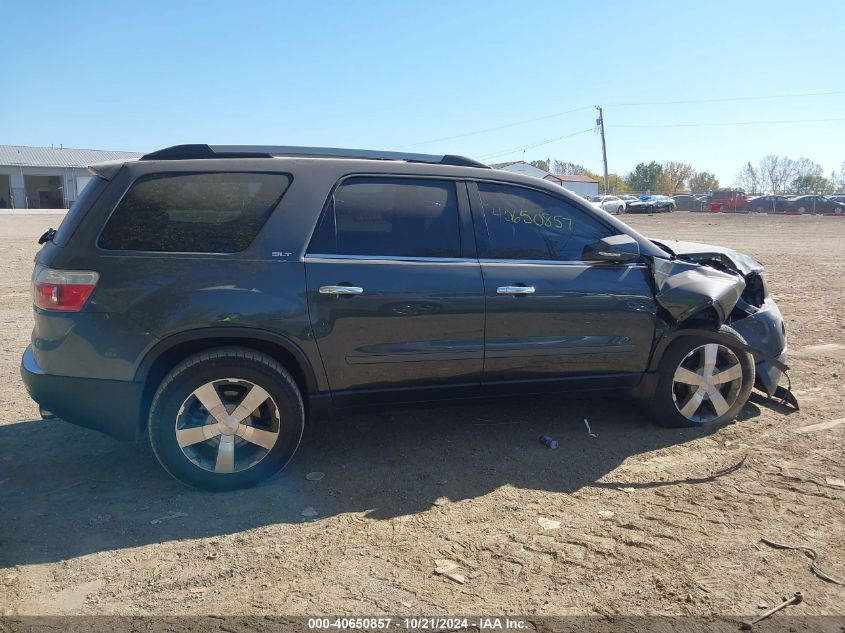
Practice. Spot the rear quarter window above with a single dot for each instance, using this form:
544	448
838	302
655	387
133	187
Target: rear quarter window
87	197
193	213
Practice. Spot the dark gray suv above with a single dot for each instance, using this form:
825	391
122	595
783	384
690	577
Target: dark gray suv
216	297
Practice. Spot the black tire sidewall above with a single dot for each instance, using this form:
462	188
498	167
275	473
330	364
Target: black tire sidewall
664	410
162	423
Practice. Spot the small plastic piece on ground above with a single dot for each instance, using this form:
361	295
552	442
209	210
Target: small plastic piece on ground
606	514
546	440
315	476
448	568
548	524
589	430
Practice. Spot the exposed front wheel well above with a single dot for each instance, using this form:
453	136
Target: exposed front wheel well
179	352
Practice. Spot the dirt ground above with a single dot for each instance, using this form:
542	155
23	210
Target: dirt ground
652	520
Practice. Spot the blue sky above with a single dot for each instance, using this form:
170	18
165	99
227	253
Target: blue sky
402	75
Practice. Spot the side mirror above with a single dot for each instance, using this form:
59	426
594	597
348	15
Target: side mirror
616	249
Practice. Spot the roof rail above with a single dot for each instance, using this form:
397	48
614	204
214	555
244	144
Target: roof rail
188	152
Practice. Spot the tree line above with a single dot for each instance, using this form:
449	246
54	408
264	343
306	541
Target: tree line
773	174
781	174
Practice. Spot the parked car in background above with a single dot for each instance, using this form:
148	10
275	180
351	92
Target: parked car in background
611	204
730	199
686	202
634	205
817	204
838	198
768	204
658	204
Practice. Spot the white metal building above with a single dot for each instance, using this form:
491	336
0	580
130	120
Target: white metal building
47	177
581	185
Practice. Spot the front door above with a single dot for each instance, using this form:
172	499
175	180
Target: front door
395	294
553	318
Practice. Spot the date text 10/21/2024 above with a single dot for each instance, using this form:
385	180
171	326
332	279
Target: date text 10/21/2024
416	623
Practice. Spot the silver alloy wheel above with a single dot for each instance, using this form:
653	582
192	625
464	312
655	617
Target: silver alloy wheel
707	383
227	425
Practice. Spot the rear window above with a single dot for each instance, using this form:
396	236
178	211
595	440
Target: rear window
74	216
193	213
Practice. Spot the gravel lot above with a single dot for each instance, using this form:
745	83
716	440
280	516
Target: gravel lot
652	520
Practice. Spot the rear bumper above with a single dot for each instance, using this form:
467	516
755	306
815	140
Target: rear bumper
112	407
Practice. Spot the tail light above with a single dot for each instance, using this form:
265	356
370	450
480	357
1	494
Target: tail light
62	290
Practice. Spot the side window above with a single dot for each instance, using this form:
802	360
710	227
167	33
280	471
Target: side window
527	224
193	213
391	217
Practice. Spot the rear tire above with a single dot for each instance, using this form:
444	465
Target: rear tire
702	381
226	418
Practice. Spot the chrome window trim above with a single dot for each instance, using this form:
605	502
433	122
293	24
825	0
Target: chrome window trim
555	262
389	259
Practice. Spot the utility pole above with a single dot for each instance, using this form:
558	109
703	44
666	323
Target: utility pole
600	123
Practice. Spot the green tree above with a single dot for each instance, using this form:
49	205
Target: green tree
541	164
645	177
703	181
748	178
570	169
675	177
811	184
616	183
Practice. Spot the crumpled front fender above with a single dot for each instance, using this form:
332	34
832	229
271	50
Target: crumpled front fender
684	289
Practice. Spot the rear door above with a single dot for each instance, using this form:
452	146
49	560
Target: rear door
551	316
394	286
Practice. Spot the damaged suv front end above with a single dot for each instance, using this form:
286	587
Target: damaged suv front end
703	279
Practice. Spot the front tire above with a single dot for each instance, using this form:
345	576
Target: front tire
225	419
703	381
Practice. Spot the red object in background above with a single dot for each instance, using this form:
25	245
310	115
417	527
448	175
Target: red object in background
731	199
715	207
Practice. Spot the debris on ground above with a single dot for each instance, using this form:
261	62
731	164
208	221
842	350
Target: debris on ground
605	514
796	598
589	430
448	568
168	517
835	481
199	590
548	524
813	557
628	489
315	476
547	440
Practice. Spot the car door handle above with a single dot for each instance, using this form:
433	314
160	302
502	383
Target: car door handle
515	290
341	290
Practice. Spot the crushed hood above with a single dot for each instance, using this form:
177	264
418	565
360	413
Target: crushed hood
697	252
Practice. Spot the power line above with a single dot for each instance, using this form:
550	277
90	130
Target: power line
732	123
727	99
538	144
623	105
493	129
